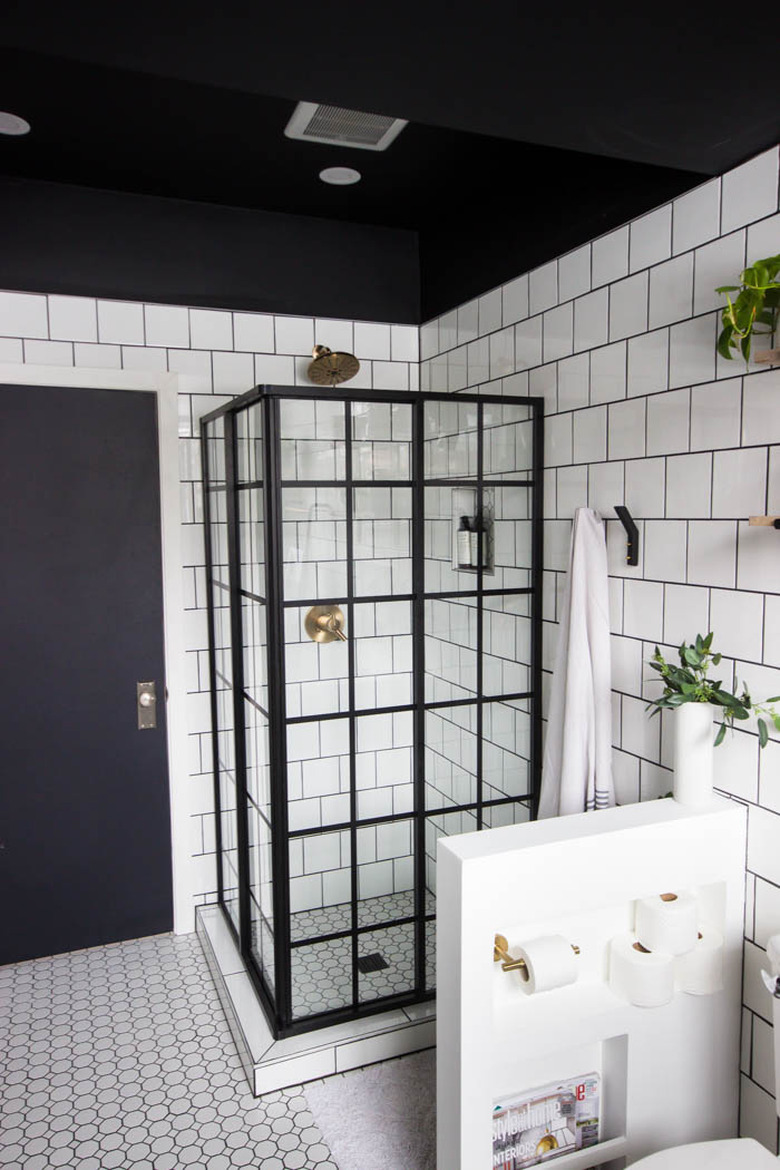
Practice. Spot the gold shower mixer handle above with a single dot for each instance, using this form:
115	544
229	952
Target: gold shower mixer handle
501	955
324	623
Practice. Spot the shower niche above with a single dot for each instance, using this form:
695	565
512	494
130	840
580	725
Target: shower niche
370	692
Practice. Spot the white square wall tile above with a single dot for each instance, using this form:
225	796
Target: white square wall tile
48	353
665	549
608	373
571	491
144	357
73	318
717	264
628	307
671	291
558	440
609	257
120	322
686	613
514	301
668	418
390	376
651	238
98	357
468	321
688	486
591	324
296	335
211	329
761	408
646	487
528	343
737	619
448	331
643	612
167	325
739	483
234	373
627	429
641	735
716	411
557	333
543	287
274	370
573	378
648	363
696	217
750	191
23	315
429	339
404	342
712	546
605	487
692	351
574	273
502	353
590	435
254	333
489	311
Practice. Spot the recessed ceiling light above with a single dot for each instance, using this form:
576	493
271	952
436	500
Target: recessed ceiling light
340	176
13	124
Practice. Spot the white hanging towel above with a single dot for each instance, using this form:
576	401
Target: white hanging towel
577	766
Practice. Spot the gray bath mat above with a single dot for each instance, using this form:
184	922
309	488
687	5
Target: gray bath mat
382	1117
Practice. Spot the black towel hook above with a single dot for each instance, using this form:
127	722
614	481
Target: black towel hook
632	534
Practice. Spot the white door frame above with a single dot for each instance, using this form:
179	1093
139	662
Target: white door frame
165	387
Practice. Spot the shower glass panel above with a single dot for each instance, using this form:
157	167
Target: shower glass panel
375	675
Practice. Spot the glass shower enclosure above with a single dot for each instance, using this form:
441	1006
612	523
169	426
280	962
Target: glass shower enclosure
374	566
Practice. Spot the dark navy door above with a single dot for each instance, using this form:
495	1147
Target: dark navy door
85	849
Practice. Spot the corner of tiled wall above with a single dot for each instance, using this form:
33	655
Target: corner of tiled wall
618	337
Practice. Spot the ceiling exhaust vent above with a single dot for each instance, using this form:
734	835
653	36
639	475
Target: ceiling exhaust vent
338	127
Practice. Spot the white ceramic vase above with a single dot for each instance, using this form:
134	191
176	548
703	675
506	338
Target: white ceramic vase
693	747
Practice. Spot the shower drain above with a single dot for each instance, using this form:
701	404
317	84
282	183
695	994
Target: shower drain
373	962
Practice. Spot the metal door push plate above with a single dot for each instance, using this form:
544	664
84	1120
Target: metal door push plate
146	702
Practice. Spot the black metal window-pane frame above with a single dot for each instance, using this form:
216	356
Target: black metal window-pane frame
277	1002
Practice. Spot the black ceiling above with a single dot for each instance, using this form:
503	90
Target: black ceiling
529	131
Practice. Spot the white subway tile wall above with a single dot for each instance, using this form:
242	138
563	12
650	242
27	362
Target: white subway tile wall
693	450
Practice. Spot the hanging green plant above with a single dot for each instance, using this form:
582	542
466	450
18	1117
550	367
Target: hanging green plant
755	305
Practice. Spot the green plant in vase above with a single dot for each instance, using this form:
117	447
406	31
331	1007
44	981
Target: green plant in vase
756	304
690	682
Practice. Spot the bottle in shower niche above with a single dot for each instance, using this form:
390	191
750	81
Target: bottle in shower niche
464	544
477	543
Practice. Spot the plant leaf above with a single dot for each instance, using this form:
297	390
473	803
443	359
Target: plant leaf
763	734
721	735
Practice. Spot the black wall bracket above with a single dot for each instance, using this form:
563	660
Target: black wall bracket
632	534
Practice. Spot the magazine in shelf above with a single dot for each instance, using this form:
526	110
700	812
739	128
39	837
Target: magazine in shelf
545	1123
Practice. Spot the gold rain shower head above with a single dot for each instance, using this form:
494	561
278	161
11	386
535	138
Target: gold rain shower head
329	369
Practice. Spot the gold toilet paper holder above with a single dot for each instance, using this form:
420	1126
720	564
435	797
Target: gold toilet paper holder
501	955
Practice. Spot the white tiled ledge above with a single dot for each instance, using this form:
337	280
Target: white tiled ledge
272	1064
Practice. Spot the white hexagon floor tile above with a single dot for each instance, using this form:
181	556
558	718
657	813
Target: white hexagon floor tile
119	1056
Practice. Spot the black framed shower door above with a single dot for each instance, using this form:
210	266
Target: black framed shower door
338	764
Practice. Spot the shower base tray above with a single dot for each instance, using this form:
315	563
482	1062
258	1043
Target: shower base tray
272	1064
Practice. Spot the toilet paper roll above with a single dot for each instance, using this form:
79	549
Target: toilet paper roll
667	922
549	962
645	978
700	971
